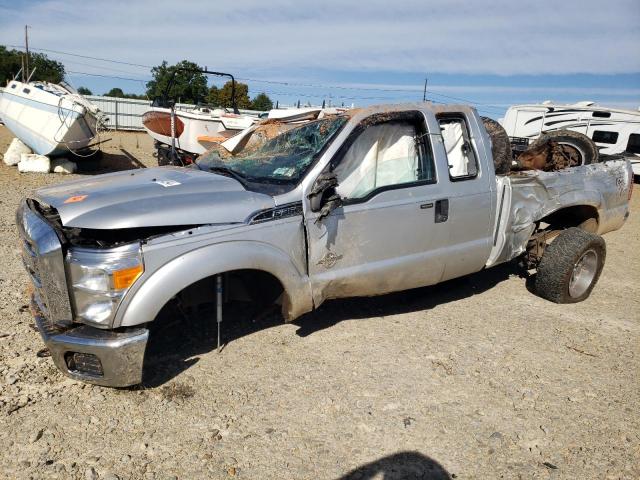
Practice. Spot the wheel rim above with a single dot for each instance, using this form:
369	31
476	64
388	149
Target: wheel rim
576	149
584	271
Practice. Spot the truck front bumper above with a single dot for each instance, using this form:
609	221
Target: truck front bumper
104	357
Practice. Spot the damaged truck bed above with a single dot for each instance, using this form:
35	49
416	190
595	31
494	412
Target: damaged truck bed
354	203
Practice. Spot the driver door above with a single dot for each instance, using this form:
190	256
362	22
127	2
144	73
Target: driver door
389	231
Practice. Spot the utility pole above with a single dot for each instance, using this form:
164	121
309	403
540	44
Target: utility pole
25	74
424	94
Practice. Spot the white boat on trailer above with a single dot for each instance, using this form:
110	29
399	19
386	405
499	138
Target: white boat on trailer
195	130
181	136
51	119
615	131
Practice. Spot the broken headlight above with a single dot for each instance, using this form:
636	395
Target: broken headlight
99	280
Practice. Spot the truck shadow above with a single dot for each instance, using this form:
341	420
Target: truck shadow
401	465
426	298
177	338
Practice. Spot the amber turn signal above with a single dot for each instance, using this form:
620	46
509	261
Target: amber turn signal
124	278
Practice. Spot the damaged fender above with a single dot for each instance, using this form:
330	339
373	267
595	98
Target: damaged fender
143	304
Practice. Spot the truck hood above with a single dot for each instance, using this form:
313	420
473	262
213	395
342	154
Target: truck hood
153	197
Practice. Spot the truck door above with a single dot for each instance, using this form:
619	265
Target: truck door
392	225
470	193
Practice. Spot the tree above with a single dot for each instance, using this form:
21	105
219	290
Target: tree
84	91
45	69
115	92
242	95
262	102
213	97
189	86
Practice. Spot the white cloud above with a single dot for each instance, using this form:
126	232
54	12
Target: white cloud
493	37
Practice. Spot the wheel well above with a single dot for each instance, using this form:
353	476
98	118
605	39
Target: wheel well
247	285
582	216
548	228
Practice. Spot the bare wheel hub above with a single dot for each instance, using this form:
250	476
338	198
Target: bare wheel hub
584	271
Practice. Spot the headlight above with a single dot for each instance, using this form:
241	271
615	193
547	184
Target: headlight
99	280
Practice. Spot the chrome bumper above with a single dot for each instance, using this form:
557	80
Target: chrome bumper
120	355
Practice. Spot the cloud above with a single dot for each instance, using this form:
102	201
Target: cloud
456	37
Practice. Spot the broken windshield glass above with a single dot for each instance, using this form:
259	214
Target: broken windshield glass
283	159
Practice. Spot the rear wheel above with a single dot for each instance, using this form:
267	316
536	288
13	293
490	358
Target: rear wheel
570	266
500	146
575	148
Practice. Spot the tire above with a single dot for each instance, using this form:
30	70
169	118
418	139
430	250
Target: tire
570	266
587	149
500	146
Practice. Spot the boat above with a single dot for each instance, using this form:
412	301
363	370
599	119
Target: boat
615	131
195	130
51	119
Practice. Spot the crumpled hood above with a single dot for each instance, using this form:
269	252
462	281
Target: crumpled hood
153	197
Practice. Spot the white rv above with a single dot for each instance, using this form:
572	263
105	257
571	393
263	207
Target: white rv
614	130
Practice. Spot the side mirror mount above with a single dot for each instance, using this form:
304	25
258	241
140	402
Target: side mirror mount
323	197
315	202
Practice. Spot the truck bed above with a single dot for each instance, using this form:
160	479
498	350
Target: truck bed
525	198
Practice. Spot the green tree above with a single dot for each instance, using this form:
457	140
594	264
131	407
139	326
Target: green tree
84	91
189	86
242	95
45	69
262	102
115	92
213	97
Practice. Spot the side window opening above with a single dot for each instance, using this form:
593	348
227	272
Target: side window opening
461	157
634	143
602	136
385	155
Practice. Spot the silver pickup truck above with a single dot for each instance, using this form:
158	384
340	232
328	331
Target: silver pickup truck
357	203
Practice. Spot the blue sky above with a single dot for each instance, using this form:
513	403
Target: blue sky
494	53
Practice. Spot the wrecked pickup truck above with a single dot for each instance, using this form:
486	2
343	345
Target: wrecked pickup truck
359	203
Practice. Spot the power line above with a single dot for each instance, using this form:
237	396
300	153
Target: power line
341	87
84	56
275	82
101	67
106	76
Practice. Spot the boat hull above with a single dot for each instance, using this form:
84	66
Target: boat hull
193	131
49	126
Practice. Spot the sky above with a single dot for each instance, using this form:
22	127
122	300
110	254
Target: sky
492	53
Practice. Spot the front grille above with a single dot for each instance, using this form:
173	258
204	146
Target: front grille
43	259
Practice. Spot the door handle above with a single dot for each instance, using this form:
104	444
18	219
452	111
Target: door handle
424	206
442	210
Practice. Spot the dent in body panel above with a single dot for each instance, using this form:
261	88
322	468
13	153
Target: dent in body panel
535	195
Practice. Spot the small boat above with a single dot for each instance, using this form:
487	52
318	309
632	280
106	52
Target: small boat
51	119
195	130
182	135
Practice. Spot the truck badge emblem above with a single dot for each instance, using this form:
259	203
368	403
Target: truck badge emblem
329	260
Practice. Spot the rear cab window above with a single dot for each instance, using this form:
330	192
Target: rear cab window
461	157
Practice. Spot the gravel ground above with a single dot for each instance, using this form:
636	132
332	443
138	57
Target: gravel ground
474	378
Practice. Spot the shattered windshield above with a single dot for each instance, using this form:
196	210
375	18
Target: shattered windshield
283	159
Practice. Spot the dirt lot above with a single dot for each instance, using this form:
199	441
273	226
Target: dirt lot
474	378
